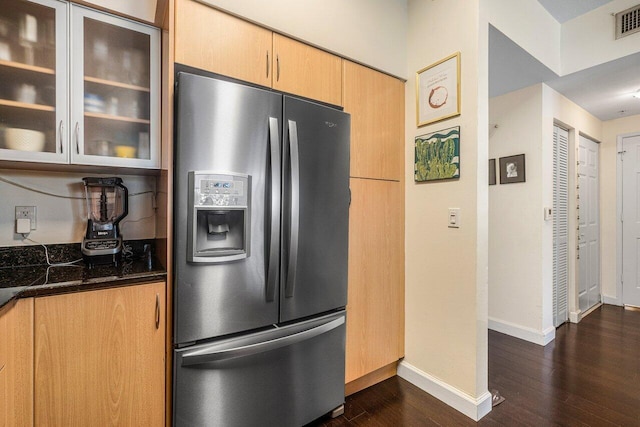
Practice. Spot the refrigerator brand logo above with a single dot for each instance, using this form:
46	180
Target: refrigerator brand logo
330	124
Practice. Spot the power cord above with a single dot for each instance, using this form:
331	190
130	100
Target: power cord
46	254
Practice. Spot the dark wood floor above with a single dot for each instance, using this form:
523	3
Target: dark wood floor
588	376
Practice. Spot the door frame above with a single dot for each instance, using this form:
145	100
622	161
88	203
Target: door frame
619	299
590	308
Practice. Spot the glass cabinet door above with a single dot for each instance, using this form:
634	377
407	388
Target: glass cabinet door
115	87
33	72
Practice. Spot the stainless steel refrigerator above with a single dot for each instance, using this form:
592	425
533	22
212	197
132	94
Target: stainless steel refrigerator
261	196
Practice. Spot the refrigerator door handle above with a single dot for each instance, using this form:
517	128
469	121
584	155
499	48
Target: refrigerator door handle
211	354
295	209
274	146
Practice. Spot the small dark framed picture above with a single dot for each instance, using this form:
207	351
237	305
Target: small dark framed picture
512	169
492	171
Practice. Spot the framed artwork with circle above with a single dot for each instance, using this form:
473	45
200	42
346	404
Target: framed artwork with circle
438	91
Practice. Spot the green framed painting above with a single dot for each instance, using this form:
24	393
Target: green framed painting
437	155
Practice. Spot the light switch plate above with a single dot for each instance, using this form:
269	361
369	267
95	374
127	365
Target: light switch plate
454	218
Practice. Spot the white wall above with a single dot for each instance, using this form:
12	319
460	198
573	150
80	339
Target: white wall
144	10
517	241
373	32
611	290
578	44
530	26
521	242
446	268
63	220
589	40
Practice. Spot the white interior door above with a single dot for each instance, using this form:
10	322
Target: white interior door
631	220
560	224
588	225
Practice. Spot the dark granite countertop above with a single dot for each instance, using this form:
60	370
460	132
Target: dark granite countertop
24	271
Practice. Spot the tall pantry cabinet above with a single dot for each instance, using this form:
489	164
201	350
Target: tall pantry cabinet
375	326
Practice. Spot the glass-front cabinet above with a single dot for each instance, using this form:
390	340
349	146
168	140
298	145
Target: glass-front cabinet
34	75
89	98
115	89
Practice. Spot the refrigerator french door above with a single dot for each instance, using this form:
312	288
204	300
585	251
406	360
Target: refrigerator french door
261	196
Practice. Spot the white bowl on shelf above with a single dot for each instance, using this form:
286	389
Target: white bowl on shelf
23	139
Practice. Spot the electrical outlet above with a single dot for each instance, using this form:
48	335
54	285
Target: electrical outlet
27	212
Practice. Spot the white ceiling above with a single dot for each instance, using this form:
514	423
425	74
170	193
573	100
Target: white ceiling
604	90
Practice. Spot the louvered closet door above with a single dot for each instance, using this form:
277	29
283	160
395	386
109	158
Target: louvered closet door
560	223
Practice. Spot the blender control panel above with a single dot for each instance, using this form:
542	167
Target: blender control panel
220	190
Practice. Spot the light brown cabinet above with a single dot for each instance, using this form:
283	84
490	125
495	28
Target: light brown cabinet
16	364
212	40
304	70
375	309
376	104
100	357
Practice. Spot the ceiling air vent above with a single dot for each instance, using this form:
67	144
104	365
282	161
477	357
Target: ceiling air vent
628	22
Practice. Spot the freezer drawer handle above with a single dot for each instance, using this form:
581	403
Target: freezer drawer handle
295	209
207	355
272	273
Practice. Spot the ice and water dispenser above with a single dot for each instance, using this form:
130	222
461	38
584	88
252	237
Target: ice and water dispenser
218	225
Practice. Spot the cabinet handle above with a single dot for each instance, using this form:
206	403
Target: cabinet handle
278	68
157	311
267	63
60	132
77	138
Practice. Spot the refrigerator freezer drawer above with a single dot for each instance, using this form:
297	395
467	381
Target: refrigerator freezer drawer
287	376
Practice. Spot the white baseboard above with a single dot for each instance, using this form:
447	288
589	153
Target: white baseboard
528	334
575	316
474	408
611	300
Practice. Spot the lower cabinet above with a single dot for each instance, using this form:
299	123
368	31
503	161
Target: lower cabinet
16	364
375	307
99	357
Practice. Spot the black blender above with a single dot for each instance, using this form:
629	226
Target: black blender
107	204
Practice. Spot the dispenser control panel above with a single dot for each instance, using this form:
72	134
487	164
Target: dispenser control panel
219	220
220	190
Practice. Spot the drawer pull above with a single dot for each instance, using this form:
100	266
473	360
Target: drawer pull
157	311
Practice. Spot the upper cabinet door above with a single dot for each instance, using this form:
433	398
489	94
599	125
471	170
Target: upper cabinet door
115	90
306	71
211	40
33	71
376	103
